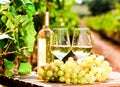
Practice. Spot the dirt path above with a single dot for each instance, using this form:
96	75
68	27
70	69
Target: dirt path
109	50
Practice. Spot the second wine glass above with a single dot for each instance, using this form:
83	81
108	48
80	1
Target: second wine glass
60	42
82	42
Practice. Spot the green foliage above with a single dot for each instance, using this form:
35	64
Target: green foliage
9	66
17	22
108	23
30	9
21	20
19	25
61	15
24	68
101	6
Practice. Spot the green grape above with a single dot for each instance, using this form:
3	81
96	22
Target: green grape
49	73
93	70
47	78
55	69
82	73
60	73
97	63
79	75
74	75
51	66
69	64
99	77
90	78
84	64
58	63
40	72
83	80
52	79
79	62
77	69
86	76
62	67
109	69
104	74
67	81
87	71
92	57
79	81
88	60
106	63
100	58
67	70
62	79
75	81
45	67
55	74
67	76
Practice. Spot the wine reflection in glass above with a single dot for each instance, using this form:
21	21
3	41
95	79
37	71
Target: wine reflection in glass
82	42
60	42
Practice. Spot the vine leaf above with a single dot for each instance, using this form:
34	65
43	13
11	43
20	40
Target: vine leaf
30	9
25	68
28	34
9	66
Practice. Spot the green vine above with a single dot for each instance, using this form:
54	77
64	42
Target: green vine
20	20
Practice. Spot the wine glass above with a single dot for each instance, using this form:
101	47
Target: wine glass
82	42
60	42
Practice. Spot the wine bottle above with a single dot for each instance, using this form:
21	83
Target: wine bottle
43	53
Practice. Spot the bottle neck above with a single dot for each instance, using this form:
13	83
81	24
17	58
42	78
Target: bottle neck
45	27
46	19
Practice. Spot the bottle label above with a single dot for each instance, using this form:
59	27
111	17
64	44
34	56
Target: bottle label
41	52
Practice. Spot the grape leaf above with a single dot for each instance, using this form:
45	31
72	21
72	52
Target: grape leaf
29	34
68	2
24	68
30	9
8	64
43	6
9	24
8	73
2	44
25	36
18	3
4	19
12	11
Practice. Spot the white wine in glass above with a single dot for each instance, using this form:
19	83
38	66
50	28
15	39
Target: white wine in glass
60	43
82	42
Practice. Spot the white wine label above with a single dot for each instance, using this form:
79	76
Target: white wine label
41	52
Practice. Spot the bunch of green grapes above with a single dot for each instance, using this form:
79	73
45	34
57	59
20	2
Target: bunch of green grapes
87	71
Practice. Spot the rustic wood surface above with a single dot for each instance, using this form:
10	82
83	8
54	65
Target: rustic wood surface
31	80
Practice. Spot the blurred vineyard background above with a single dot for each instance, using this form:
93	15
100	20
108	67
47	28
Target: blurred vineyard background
103	17
20	21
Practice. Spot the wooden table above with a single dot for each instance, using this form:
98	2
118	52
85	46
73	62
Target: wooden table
32	81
